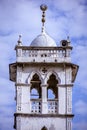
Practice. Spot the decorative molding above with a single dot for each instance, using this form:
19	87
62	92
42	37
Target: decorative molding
19	52
44	115
69	124
17	124
41	48
32	74
65	85
69	100
22	84
49	74
43	85
19	94
19	76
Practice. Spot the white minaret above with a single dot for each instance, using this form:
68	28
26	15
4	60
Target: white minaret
44	75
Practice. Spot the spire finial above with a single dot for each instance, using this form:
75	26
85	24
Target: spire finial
19	40
68	40
43	7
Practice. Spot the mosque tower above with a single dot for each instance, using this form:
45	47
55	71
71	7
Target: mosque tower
44	75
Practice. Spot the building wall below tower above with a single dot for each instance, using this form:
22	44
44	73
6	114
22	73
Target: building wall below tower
37	123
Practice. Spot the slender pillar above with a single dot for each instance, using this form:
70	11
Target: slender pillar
44	99
19	94
29	101
69	124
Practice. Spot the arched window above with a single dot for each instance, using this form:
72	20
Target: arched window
35	87
52	90
52	94
44	128
35	94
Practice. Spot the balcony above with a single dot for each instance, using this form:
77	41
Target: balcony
43	55
36	106
52	106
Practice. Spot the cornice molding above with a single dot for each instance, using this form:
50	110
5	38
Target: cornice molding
45	115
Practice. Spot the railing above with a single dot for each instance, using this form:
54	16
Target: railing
45	53
35	106
52	106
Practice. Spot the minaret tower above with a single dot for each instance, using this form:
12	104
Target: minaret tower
44	75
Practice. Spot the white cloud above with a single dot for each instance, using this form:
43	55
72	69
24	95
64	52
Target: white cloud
25	17
79	57
81	107
74	16
80	126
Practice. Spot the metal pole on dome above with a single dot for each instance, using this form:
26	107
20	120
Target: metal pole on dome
43	7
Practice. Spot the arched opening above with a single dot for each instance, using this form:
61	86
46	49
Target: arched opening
35	94
52	90
44	128
35	87
52	94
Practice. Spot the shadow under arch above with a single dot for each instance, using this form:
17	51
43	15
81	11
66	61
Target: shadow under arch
31	76
52	89
49	74
44	128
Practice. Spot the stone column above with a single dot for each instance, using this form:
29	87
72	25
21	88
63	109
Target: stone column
26	103
29	98
18	123
62	99
69	99
44	99
19	94
69	123
57	98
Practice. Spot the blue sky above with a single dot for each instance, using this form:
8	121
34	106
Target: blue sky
63	18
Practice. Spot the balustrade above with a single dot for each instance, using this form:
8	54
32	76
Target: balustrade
52	106
36	106
45	53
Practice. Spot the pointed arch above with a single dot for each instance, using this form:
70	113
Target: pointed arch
35	87
49	74
32	74
52	89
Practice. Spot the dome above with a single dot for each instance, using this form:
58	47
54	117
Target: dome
43	40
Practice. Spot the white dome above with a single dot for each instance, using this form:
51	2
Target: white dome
43	40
